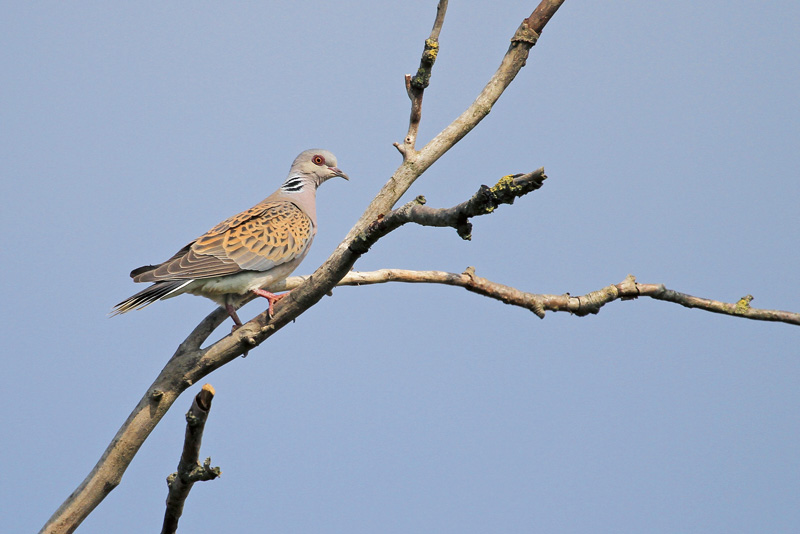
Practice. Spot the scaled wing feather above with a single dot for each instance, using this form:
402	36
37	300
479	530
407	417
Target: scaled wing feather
266	235
282	233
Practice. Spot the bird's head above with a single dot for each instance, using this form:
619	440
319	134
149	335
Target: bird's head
319	164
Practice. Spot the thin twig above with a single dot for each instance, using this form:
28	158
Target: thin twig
416	85
441	10
189	469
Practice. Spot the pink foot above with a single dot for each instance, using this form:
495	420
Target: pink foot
271	297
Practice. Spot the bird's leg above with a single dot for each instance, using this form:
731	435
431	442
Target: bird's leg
232	312
271	297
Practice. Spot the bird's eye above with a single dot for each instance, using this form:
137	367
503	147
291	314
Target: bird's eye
318	160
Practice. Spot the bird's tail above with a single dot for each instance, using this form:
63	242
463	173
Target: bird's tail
144	298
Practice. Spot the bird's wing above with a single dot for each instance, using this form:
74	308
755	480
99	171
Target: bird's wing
268	234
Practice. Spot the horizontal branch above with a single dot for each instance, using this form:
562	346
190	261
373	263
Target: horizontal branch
582	305
483	202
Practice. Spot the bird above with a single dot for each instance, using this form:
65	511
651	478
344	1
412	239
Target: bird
246	253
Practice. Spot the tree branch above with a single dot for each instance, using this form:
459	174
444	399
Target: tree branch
485	201
189	469
581	306
416	85
190	363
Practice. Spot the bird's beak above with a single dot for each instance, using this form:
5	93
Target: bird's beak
338	172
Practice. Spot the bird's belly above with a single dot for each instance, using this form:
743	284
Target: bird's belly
239	283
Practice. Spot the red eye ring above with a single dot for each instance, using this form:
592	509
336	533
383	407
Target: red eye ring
318	160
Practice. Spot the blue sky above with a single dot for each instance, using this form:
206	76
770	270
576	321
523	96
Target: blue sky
669	132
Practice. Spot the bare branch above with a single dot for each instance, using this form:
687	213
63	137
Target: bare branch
485	201
741	308
582	305
468	280
542	15
202	331
441	9
416	85
189	469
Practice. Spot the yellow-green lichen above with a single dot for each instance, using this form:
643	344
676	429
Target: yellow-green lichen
743	305
505	183
431	50
505	191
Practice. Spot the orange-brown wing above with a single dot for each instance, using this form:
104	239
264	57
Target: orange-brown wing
281	233
266	235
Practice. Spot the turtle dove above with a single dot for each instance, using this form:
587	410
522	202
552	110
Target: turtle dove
248	252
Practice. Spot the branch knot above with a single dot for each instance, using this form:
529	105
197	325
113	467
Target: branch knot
525	34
